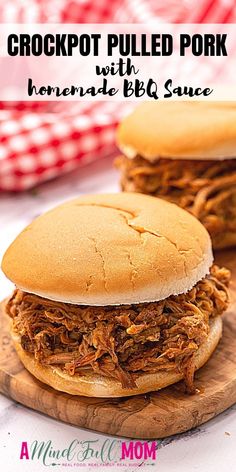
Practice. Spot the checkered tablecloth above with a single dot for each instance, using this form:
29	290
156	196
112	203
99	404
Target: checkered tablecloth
39	141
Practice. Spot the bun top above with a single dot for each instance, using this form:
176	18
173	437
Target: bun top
180	130
110	249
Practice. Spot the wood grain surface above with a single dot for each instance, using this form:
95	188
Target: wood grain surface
154	415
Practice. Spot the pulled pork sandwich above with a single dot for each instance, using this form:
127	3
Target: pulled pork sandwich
184	152
115	295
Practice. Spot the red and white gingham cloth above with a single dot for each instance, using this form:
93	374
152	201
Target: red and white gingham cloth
41	140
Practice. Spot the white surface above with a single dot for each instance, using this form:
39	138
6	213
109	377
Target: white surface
210	448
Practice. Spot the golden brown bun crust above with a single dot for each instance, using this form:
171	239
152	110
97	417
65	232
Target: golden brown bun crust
94	385
110	249
180	130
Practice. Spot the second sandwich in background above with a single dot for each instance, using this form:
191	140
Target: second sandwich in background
184	152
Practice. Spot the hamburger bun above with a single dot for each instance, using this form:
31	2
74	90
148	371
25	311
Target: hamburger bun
94	385
180	130
109	250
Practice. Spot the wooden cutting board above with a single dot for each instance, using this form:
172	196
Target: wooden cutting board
154	415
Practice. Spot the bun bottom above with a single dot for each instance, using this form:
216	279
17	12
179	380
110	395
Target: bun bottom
94	385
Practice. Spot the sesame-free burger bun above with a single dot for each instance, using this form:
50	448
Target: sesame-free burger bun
109	250
94	385
180	130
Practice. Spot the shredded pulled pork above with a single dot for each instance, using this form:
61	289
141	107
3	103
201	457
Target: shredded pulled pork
207	189
121	341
